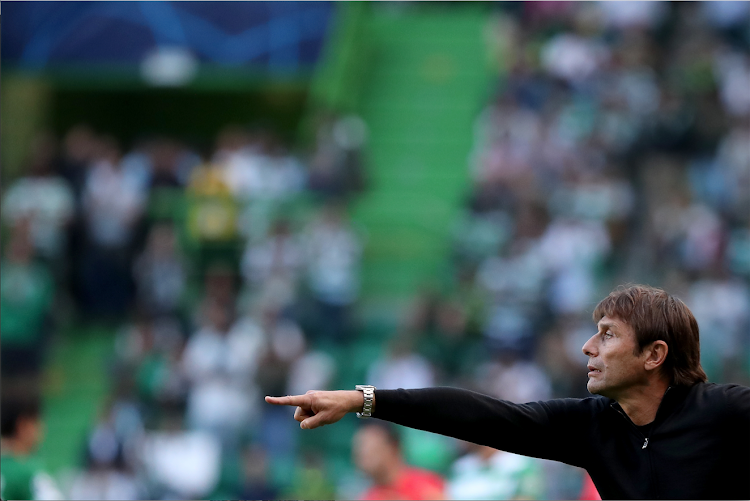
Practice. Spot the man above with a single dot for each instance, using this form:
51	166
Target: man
655	430
486	473
20	476
377	452
26	297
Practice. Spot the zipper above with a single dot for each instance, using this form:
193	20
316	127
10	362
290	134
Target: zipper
626	418
645	444
645	439
651	430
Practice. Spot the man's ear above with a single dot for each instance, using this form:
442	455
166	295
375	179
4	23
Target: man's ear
657	354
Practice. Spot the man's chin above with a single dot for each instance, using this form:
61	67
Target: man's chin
601	390
594	389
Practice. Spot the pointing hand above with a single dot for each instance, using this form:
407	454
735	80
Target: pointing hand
319	408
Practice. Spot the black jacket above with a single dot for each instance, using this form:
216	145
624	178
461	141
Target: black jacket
698	446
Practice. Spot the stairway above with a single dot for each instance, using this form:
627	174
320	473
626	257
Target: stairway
75	385
426	79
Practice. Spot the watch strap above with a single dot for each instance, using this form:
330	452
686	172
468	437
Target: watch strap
368	392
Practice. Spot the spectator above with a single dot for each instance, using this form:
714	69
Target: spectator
212	212
285	344
113	205
283	175
255	475
107	476
333	255
160	273
401	367
21	476
112	199
487	473
240	157
171	164
377	452
43	198
588	491
445	337
79	147
720	306
152	350
26	297
219	361
273	265
181	463
309	480
336	164
508	377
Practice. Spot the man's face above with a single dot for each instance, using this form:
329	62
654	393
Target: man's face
613	365
30	432
372	451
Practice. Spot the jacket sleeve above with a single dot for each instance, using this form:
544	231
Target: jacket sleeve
737	412
553	429
739	401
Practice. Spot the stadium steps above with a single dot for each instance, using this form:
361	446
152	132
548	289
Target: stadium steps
424	83
75	384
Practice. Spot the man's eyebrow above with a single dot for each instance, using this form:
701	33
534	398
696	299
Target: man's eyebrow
605	325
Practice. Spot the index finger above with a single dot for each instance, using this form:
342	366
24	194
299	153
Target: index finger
299	400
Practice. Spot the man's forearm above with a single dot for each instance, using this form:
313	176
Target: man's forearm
528	429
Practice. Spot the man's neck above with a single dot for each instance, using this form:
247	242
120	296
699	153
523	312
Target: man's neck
389	476
642	402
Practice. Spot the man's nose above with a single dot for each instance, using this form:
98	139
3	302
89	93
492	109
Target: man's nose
588	347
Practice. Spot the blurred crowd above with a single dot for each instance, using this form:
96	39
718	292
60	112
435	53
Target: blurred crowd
221	269
613	148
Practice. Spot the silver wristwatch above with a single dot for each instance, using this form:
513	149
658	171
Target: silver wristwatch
369	394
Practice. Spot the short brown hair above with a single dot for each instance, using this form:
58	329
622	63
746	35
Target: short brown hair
656	315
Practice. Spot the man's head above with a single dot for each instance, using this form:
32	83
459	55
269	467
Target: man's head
377	451
643	333
21	423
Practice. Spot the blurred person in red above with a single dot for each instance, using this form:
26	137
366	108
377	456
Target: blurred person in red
377	452
588	490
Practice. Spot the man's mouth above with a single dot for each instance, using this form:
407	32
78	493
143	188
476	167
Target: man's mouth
593	370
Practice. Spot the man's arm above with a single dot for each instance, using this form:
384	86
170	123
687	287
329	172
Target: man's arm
552	430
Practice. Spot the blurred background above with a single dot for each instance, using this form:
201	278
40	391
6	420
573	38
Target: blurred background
208	202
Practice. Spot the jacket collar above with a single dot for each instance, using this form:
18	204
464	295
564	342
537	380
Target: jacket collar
672	398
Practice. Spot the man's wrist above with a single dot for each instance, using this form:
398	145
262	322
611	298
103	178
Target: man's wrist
356	400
